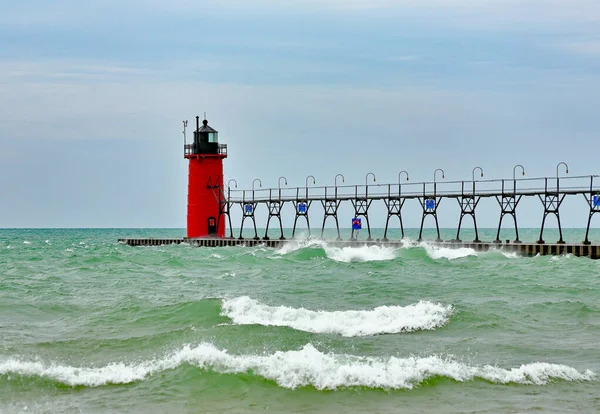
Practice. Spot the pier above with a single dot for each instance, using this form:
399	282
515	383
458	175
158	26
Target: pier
551	191
523	249
211	204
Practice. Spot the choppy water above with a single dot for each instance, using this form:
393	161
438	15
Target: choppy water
89	325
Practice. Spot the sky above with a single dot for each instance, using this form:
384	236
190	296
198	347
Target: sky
93	95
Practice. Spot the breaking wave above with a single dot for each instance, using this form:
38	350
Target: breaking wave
305	367
439	252
381	320
342	254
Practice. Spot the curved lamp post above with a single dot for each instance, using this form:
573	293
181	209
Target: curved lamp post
566	168
367	183
566	172
434	181
400	174
279	185
260	185
515	171
515	176
335	182
473	175
306	182
229	187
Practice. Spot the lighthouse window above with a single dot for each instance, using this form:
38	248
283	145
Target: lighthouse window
212	137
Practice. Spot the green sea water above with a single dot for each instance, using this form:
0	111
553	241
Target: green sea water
90	325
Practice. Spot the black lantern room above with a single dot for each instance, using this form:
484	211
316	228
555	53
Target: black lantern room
206	139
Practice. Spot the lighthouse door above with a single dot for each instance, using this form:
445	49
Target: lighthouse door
212	226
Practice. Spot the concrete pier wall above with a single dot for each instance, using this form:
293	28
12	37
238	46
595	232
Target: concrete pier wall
525	249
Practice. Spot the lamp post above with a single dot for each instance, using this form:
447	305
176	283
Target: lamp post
515	176
367	183
473	175
399	180
279	185
229	188
260	185
314	182
566	172
434	181
335	182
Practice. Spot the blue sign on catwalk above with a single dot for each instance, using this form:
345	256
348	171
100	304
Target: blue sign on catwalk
302	208
248	208
356	224
597	201
430	204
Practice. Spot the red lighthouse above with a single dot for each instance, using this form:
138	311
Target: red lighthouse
205	182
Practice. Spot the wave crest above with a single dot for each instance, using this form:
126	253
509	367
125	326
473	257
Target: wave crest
345	254
381	320
305	367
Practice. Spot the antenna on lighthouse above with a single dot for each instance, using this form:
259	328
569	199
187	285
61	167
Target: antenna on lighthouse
184	132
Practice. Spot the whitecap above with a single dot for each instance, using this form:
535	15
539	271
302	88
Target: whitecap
26	242
360	254
295	245
510	255
440	252
381	320
300	368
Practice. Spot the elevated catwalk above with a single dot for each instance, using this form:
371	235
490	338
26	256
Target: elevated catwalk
525	249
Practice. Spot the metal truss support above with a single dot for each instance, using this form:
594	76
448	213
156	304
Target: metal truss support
302	207
508	205
593	199
594	208
551	202
394	208
467	208
361	208
224	205
275	207
331	207
430	205
248	209
224	208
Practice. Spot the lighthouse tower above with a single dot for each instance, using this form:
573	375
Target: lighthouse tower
205	182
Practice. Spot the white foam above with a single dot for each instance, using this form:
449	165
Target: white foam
360	254
305	367
295	245
510	255
381	320
26	242
215	256
437	252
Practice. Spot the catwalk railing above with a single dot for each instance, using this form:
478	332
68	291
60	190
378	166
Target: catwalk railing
508	192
